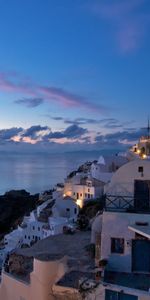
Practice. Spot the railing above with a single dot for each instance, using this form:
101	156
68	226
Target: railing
121	202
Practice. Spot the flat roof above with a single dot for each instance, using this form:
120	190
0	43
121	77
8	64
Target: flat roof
72	278
58	246
138	281
142	230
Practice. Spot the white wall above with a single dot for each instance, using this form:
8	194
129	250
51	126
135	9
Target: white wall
122	182
115	225
67	208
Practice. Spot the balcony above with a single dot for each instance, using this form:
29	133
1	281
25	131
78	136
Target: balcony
121	202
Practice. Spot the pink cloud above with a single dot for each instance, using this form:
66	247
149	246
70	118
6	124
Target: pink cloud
17	84
129	18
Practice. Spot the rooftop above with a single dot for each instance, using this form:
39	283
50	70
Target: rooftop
131	280
142	230
55	247
52	248
72	278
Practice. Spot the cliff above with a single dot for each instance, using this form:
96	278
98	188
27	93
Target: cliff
13	206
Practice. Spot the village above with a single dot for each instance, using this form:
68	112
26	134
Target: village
57	252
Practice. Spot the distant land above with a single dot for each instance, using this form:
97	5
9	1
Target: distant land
46	152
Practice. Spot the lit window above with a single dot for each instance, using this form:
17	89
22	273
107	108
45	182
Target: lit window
117	245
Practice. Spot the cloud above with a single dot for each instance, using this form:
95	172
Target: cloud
82	121
8	134
109	123
71	132
30	102
74	137
120	137
130	20
36	94
38	134
33	131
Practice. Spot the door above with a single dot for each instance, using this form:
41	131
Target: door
142	194
113	295
141	256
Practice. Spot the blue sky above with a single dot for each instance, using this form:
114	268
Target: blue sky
74	73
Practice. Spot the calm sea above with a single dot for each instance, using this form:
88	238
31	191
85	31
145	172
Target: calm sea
39	172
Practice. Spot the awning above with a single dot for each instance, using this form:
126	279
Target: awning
142	230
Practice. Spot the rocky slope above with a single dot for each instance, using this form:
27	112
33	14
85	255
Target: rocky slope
13	206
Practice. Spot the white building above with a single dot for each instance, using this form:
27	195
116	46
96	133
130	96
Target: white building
129	186
124	233
104	168
81	188
48	219
141	149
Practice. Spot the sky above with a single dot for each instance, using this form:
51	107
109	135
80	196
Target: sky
74	74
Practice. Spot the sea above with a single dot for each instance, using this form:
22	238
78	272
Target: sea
39	172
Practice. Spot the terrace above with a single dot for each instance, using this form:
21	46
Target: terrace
137	281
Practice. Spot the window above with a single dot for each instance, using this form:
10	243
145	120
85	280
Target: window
75	210
74	193
85	195
80	194
33	236
117	245
67	209
140	169
38	228
88	190
33	227
25	236
28	237
88	196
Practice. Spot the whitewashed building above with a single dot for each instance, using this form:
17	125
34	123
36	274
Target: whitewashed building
82	187
104	168
48	219
124	233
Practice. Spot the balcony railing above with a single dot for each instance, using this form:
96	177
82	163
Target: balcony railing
120	202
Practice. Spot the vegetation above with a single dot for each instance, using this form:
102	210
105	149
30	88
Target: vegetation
91	208
91	250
